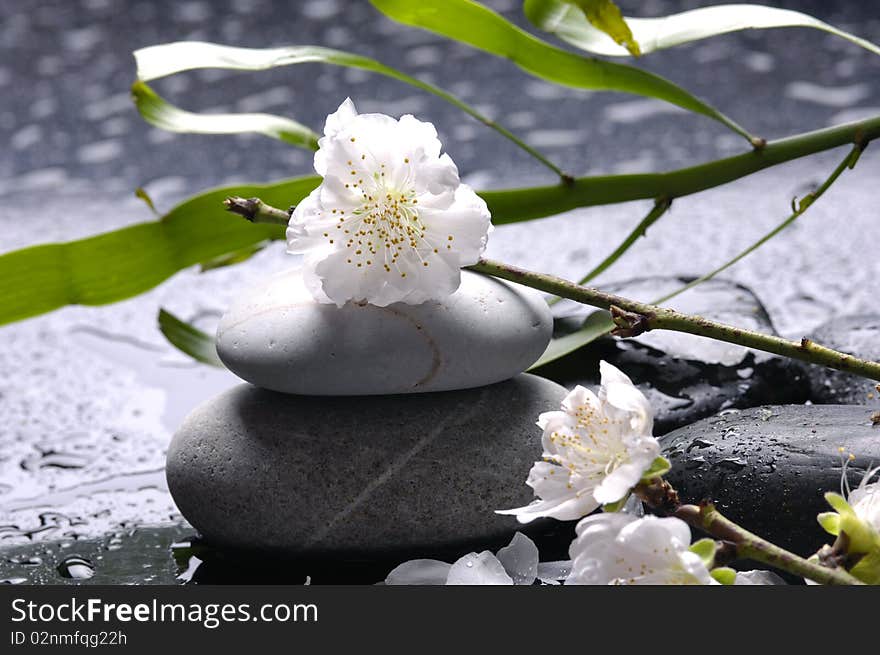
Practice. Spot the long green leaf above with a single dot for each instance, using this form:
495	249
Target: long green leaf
606	16
559	17
474	24
596	325
159	112
126	262
159	61
188	339
121	264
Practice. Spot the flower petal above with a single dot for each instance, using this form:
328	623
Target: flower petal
478	569
520	559
758	577
618	391
419	571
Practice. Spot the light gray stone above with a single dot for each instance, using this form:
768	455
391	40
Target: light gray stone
279	338
364	476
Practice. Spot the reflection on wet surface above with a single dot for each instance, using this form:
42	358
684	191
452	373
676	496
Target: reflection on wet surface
89	397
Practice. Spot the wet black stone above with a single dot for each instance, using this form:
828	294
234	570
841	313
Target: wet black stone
857	335
769	467
685	377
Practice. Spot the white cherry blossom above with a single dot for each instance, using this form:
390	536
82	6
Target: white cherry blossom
390	222
595	450
621	549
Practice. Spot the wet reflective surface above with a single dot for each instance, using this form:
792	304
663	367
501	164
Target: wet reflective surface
89	397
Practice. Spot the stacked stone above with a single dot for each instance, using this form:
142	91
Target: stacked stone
368	431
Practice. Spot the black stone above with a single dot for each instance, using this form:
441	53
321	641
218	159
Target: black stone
768	467
857	335
685	377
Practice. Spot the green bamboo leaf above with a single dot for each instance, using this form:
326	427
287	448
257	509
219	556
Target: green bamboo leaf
559	17
232	258
159	112
188	339
478	26
159	61
606	16
126	262
596	325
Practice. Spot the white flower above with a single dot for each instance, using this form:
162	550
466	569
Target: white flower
390	222
621	549
596	449
857	516
865	500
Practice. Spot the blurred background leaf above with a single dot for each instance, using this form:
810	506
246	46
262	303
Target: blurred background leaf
596	325
605	15
562	18
160	113
123	263
188	339
478	26
165	59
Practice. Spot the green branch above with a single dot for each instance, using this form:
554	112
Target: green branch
633	318
848	162
514	205
660	207
663	498
630	317
750	546
256	211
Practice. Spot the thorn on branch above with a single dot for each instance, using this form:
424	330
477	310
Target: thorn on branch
629	324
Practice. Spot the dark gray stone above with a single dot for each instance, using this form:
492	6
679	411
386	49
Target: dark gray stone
356	476
856	335
769	467
685	377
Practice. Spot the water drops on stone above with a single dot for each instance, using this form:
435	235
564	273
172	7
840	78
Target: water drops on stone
76	568
699	443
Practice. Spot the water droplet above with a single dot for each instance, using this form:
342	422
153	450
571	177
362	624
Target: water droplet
731	464
76	567
699	443
27	561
